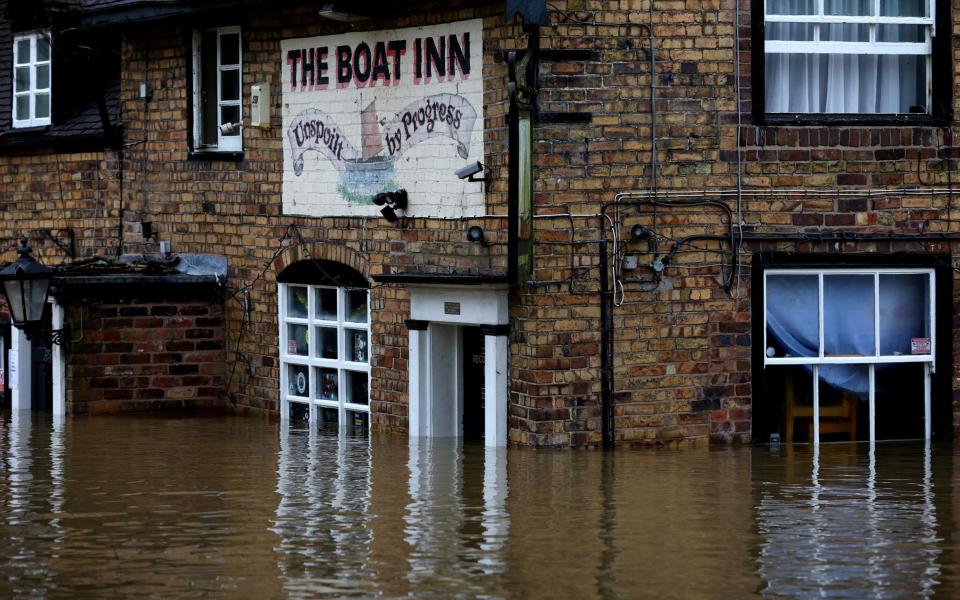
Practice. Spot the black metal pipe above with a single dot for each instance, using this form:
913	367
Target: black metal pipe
606	354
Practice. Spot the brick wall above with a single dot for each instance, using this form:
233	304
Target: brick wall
53	192
146	353
682	354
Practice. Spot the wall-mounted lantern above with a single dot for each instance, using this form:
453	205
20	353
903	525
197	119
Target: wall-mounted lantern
26	285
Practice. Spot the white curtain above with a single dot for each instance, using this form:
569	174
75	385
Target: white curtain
845	83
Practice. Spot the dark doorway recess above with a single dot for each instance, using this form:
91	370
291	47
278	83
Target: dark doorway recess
41	368
473	388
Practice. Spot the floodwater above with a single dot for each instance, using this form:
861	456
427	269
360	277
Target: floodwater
242	508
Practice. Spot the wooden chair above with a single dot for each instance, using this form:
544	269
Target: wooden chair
834	418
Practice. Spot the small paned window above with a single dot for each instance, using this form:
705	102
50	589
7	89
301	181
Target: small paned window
217	79
31	79
325	352
848	56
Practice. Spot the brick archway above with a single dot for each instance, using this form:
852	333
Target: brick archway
323	251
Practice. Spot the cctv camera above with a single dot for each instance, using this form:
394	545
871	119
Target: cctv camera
469	170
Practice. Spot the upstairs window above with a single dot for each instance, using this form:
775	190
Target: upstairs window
31	80
848	56
216	90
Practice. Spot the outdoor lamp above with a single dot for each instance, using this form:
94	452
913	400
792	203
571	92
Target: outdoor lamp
26	284
639	232
475	234
389	214
391	203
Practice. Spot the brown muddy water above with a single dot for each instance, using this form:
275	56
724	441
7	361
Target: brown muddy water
241	508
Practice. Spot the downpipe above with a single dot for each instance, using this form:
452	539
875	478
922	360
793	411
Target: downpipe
606	351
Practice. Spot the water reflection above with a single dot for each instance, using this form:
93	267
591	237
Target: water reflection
323	516
864	524
457	509
244	508
353	518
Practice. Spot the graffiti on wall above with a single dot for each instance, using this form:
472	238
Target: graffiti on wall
377	111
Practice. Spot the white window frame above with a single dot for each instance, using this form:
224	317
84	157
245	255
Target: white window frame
32	93
816	46
314	362
225	143
928	360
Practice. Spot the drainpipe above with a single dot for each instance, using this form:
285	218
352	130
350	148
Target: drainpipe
606	354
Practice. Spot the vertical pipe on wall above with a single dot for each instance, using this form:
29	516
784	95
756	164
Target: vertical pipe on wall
606	356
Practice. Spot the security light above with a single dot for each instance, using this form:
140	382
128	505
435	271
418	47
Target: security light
639	232
391	203
389	214
475	234
396	199
334	12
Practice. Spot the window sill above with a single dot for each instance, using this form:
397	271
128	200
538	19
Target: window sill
231	156
856	120
30	129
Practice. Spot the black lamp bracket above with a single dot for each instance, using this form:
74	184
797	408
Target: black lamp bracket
57	337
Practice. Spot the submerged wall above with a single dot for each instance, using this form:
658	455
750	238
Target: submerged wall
150	351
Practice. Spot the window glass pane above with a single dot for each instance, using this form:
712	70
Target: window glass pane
357	387
230	114
326	342
904	314
791	7
22	107
899	401
22	79
327	416
43	49
857	8
844	395
357	306
839	32
792	311
904	8
208	88
790	389
23	52
358	420
327	384
43	77
230	85
299	412
230	49
901	33
848	315
846	83
42	109
327	304
297	340
297	302
357	347
789	32
298	380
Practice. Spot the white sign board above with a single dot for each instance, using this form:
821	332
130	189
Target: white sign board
375	111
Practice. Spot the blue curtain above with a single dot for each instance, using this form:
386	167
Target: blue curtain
848	317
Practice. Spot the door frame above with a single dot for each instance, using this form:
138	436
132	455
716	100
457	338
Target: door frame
433	342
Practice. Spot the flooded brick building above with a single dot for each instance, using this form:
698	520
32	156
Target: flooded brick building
560	224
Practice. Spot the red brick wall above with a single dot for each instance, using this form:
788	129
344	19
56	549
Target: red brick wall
146	355
682	354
